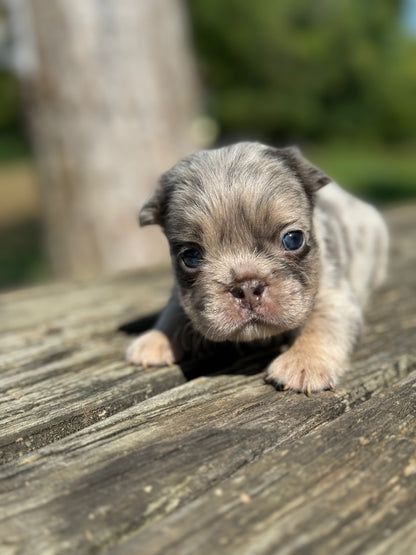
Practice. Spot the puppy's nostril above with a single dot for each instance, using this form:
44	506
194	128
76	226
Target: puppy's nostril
249	292
258	289
238	293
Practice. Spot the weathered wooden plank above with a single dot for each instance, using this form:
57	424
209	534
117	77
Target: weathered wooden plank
61	359
61	362
107	464
347	487
69	385
134	469
67	305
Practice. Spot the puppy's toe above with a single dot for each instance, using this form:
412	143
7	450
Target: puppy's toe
153	348
302	373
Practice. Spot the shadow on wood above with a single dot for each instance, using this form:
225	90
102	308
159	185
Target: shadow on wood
216	358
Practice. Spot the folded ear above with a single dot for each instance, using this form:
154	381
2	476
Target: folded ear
153	210
311	177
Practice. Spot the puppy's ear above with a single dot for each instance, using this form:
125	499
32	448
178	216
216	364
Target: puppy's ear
153	210
311	177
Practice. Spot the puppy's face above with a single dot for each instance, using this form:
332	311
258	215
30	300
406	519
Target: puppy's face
239	225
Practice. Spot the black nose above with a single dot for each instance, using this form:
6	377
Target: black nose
249	293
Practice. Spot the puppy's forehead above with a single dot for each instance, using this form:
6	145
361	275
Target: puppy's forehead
232	193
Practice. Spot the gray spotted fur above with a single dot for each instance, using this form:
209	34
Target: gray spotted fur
235	204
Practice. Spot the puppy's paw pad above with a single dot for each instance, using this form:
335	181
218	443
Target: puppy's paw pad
302	373
153	348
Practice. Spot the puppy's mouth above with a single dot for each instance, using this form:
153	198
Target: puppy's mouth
254	327
251	328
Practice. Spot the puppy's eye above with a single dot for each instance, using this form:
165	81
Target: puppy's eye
191	258
293	240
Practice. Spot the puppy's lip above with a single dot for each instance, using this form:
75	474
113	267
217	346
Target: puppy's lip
252	329
255	318
251	319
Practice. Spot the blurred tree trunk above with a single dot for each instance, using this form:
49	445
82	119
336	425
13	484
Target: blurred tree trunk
110	91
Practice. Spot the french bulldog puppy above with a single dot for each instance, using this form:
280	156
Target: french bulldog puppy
263	243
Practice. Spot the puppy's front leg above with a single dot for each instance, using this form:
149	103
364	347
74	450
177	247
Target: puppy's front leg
320	353
160	346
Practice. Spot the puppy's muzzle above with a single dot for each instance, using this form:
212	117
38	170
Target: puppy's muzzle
249	293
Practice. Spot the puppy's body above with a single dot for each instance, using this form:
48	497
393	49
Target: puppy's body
260	247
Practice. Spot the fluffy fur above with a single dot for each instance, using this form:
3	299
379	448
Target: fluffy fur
234	206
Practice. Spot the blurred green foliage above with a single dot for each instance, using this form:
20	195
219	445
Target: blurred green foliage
372	171
22	258
9	101
321	70
13	143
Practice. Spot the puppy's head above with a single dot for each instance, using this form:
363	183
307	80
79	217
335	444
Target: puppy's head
239	224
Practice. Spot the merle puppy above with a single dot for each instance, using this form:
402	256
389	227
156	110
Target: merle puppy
262	243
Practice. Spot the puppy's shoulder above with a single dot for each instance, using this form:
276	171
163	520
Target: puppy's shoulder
337	204
353	235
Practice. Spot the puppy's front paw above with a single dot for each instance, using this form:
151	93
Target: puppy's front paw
153	348
303	371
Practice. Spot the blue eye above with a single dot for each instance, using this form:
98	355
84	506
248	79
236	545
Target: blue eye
191	258
293	240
